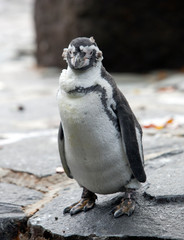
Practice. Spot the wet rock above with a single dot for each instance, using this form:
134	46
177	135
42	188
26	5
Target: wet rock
158	145
159	210
148	220
165	178
20	196
37	155
12	217
12	221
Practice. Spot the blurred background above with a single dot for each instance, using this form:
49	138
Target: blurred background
135	36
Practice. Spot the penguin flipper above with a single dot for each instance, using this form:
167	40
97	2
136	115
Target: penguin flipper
62	151
131	137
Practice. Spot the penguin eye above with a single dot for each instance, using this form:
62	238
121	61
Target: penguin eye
70	52
91	53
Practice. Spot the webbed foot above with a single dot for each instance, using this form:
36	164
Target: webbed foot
127	205
86	203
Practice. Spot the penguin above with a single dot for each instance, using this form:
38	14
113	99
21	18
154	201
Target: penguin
99	138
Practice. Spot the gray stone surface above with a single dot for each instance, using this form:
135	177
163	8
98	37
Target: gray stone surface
12	217
159	221
159	211
12	222
166	178
158	145
35	154
20	196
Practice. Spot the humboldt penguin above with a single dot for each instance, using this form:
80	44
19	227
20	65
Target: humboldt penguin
100	139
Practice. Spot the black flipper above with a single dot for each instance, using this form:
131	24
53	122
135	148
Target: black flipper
62	151
132	140
128	124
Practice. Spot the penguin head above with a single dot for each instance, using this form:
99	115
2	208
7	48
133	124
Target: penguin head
82	53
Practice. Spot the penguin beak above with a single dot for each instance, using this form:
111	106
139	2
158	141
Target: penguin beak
78	61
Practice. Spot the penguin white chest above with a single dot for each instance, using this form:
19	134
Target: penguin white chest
93	145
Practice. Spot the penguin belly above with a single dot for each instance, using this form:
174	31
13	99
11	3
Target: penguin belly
93	145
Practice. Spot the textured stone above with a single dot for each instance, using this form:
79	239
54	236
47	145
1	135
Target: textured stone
166	178
12	218
12	222
37	155
159	206
20	196
158	145
159	221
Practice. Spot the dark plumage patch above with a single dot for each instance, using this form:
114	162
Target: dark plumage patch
82	41
62	151
127	123
60	133
102	91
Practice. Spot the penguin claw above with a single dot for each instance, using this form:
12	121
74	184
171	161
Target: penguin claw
83	205
75	210
89	206
68	209
118	213
126	207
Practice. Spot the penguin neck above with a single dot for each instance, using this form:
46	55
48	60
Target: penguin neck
85	75
70	79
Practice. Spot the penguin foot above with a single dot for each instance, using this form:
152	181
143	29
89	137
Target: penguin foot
127	205
82	205
86	203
